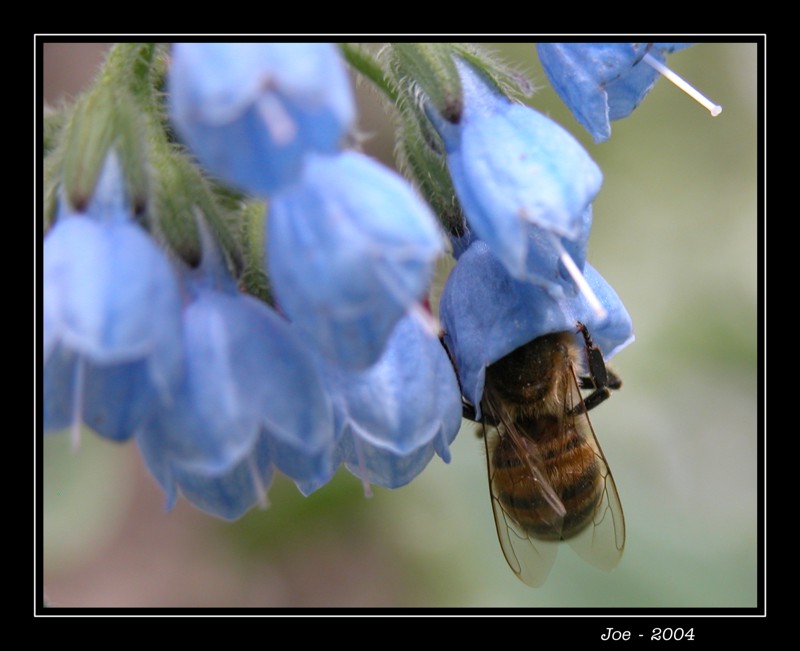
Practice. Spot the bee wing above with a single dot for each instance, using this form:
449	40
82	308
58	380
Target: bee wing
600	543
519	489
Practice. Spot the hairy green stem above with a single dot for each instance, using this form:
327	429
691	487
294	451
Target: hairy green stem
367	65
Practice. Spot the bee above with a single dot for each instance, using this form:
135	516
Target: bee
548	478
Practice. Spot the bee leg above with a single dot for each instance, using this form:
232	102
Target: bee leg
468	411
613	381
600	378
592	400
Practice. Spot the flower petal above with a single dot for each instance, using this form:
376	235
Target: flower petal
349	250
114	294
600	82
229	494
247	373
394	416
112	399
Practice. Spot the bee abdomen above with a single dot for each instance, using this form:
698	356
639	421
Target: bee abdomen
570	466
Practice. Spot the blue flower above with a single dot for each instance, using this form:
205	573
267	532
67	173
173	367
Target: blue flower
111	317
486	314
394	416
252	111
523	182
251	398
600	82
350	249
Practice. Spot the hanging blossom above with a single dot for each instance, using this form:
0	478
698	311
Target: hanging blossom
251	398
600	82
351	248
392	417
487	314
252	111
111	326
524	183
349	244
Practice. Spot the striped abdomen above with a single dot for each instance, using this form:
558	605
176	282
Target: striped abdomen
540	462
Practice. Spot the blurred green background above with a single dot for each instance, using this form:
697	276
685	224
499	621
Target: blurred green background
676	231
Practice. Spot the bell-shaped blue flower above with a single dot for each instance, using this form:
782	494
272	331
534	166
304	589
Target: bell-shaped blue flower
251	396
600	82
394	416
350	249
523	182
486	314
252	111
111	316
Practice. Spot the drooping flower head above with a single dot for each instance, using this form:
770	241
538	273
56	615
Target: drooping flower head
111	316
350	249
524	183
600	82
252	111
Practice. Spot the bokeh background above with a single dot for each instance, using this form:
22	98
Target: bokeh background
676	232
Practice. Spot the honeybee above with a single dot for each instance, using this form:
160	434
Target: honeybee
548	478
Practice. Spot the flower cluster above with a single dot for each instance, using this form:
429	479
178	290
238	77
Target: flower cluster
350	246
526	187
153	328
218	388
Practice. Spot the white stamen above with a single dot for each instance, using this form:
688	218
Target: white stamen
580	280
77	406
261	491
714	109
282	128
362	468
